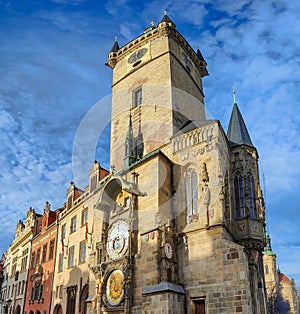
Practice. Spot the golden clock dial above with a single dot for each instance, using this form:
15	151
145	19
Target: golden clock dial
115	287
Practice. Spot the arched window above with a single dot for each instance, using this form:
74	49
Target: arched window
169	275
239	191
191	189
251	195
267	269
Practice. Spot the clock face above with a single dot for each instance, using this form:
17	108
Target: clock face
117	239
168	250
115	287
137	55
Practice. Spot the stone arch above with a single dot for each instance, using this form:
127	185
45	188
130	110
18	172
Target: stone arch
31	312
38	312
18	310
82	299
57	309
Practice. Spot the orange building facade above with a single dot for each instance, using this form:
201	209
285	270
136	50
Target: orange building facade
41	267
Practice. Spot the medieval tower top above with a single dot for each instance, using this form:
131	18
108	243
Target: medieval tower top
158	76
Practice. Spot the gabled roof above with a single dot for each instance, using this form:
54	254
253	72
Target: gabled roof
237	133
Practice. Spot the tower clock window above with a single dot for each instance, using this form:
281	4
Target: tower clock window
137	97
239	195
191	189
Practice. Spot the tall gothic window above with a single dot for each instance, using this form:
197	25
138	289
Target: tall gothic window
137	97
239	195
251	195
191	189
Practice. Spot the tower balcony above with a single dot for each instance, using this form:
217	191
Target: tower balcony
250	233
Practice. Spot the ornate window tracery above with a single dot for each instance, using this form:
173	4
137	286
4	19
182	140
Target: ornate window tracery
244	188
239	190
191	189
251	195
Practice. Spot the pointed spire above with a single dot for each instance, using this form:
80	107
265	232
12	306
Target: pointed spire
237	132
166	18
129	146
115	46
199	54
234	96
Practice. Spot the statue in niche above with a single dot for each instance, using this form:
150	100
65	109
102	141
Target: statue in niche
206	202
204	173
204	206
260	205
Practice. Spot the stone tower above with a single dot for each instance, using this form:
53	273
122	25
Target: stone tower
180	219
154	77
271	275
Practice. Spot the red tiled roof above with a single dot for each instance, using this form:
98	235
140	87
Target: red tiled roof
284	278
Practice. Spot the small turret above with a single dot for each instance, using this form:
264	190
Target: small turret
166	20
237	133
115	46
112	56
268	249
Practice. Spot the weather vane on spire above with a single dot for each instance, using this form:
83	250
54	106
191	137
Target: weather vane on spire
165	12
234	95
116	38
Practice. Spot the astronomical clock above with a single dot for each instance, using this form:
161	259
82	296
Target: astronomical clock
115	250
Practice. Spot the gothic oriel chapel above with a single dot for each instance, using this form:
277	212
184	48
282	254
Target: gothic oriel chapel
179	222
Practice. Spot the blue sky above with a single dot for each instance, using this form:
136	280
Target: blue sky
52	56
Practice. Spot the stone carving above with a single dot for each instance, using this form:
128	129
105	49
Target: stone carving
204	173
